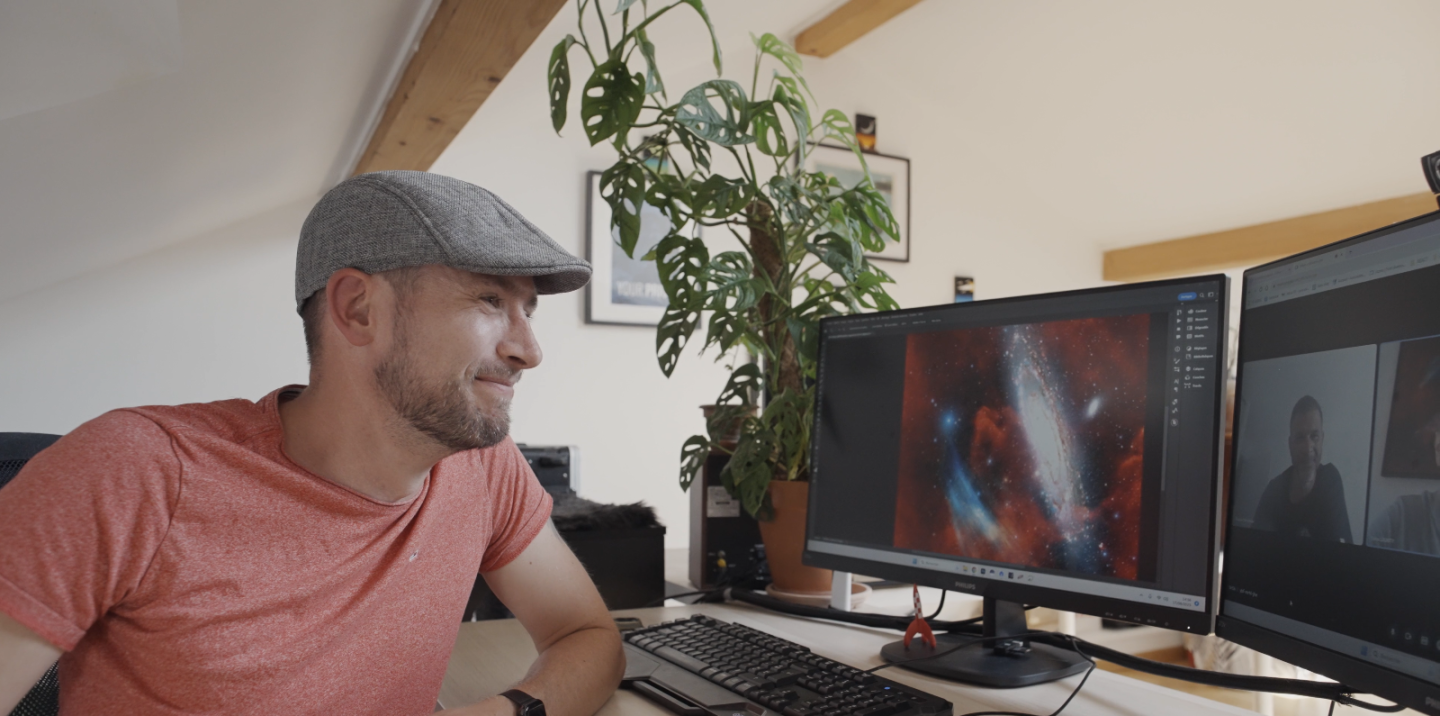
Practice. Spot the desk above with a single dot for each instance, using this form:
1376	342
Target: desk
490	656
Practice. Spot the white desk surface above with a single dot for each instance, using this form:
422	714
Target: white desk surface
490	656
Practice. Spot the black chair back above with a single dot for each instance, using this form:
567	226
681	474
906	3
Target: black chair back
16	449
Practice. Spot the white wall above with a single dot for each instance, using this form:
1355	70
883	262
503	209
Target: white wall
208	319
212	318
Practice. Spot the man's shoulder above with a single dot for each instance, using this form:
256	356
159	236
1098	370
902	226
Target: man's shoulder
233	420
1276	486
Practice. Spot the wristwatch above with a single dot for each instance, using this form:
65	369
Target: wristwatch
525	704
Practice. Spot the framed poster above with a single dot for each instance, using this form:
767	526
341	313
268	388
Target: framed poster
623	290
891	176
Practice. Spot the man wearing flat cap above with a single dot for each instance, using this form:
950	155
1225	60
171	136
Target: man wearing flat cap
312	552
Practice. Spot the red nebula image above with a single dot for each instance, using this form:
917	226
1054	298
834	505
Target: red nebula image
1025	444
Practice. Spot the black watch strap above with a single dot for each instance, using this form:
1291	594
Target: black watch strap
525	704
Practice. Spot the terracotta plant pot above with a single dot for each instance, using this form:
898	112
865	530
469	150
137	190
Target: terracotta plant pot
784	538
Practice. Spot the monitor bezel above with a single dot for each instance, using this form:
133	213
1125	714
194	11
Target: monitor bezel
1106	607
1353	672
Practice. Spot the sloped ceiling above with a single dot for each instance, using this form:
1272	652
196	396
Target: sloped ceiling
242	107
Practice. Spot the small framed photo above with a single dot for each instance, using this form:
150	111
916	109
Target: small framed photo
964	289
891	176
623	290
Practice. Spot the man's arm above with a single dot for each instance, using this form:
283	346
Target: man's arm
580	661
24	657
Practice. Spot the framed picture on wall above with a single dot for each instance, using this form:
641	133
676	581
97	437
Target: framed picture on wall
622	290
891	176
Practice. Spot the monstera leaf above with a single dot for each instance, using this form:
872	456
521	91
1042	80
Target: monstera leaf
652	70
681	261
623	187
611	101
560	81
697	114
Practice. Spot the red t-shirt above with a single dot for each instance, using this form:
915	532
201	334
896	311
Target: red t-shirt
187	566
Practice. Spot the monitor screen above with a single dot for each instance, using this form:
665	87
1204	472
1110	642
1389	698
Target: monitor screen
1059	450
1332	558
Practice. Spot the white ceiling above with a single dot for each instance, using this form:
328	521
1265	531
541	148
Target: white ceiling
1135	120
265	105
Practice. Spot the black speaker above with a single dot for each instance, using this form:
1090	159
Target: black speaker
556	466
725	547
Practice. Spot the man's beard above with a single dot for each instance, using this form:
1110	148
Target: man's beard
440	410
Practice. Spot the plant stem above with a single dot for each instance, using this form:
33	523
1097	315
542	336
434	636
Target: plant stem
604	29
585	41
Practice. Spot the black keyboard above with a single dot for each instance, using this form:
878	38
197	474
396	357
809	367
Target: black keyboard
702	665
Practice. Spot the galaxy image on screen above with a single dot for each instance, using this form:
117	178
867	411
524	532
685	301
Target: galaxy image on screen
1025	444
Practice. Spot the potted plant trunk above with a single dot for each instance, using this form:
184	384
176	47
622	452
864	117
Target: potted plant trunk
730	161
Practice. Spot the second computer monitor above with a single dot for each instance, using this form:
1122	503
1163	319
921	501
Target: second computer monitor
1333	553
1058	450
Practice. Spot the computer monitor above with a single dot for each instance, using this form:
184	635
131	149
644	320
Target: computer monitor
1060	450
1332	553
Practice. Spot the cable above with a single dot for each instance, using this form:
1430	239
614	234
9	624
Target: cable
940	608
1382	708
729	576
879	621
1075	692
1314	689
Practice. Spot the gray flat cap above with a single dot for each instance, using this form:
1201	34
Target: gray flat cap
394	219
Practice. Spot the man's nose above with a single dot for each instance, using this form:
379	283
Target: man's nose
519	347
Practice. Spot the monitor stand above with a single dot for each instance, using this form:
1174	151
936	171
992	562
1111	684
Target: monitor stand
997	663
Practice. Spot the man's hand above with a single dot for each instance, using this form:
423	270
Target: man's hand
580	661
24	657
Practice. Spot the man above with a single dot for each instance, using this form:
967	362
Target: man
312	552
1412	522
1308	498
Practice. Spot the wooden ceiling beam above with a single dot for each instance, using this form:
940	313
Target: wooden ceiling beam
1259	243
846	24
468	48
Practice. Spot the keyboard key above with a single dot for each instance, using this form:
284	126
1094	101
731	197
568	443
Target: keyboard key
684	661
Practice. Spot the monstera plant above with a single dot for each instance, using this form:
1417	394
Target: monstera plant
729	160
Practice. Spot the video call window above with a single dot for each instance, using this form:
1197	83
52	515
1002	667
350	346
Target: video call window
1344	446
1304	432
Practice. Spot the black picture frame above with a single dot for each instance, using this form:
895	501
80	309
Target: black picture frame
623	291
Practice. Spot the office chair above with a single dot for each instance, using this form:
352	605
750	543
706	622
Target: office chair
16	449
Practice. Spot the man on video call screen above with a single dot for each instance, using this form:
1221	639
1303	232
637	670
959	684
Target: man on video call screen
1308	498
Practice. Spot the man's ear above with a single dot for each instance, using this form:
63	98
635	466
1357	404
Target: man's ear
351	303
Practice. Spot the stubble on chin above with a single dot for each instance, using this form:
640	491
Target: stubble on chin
440	410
